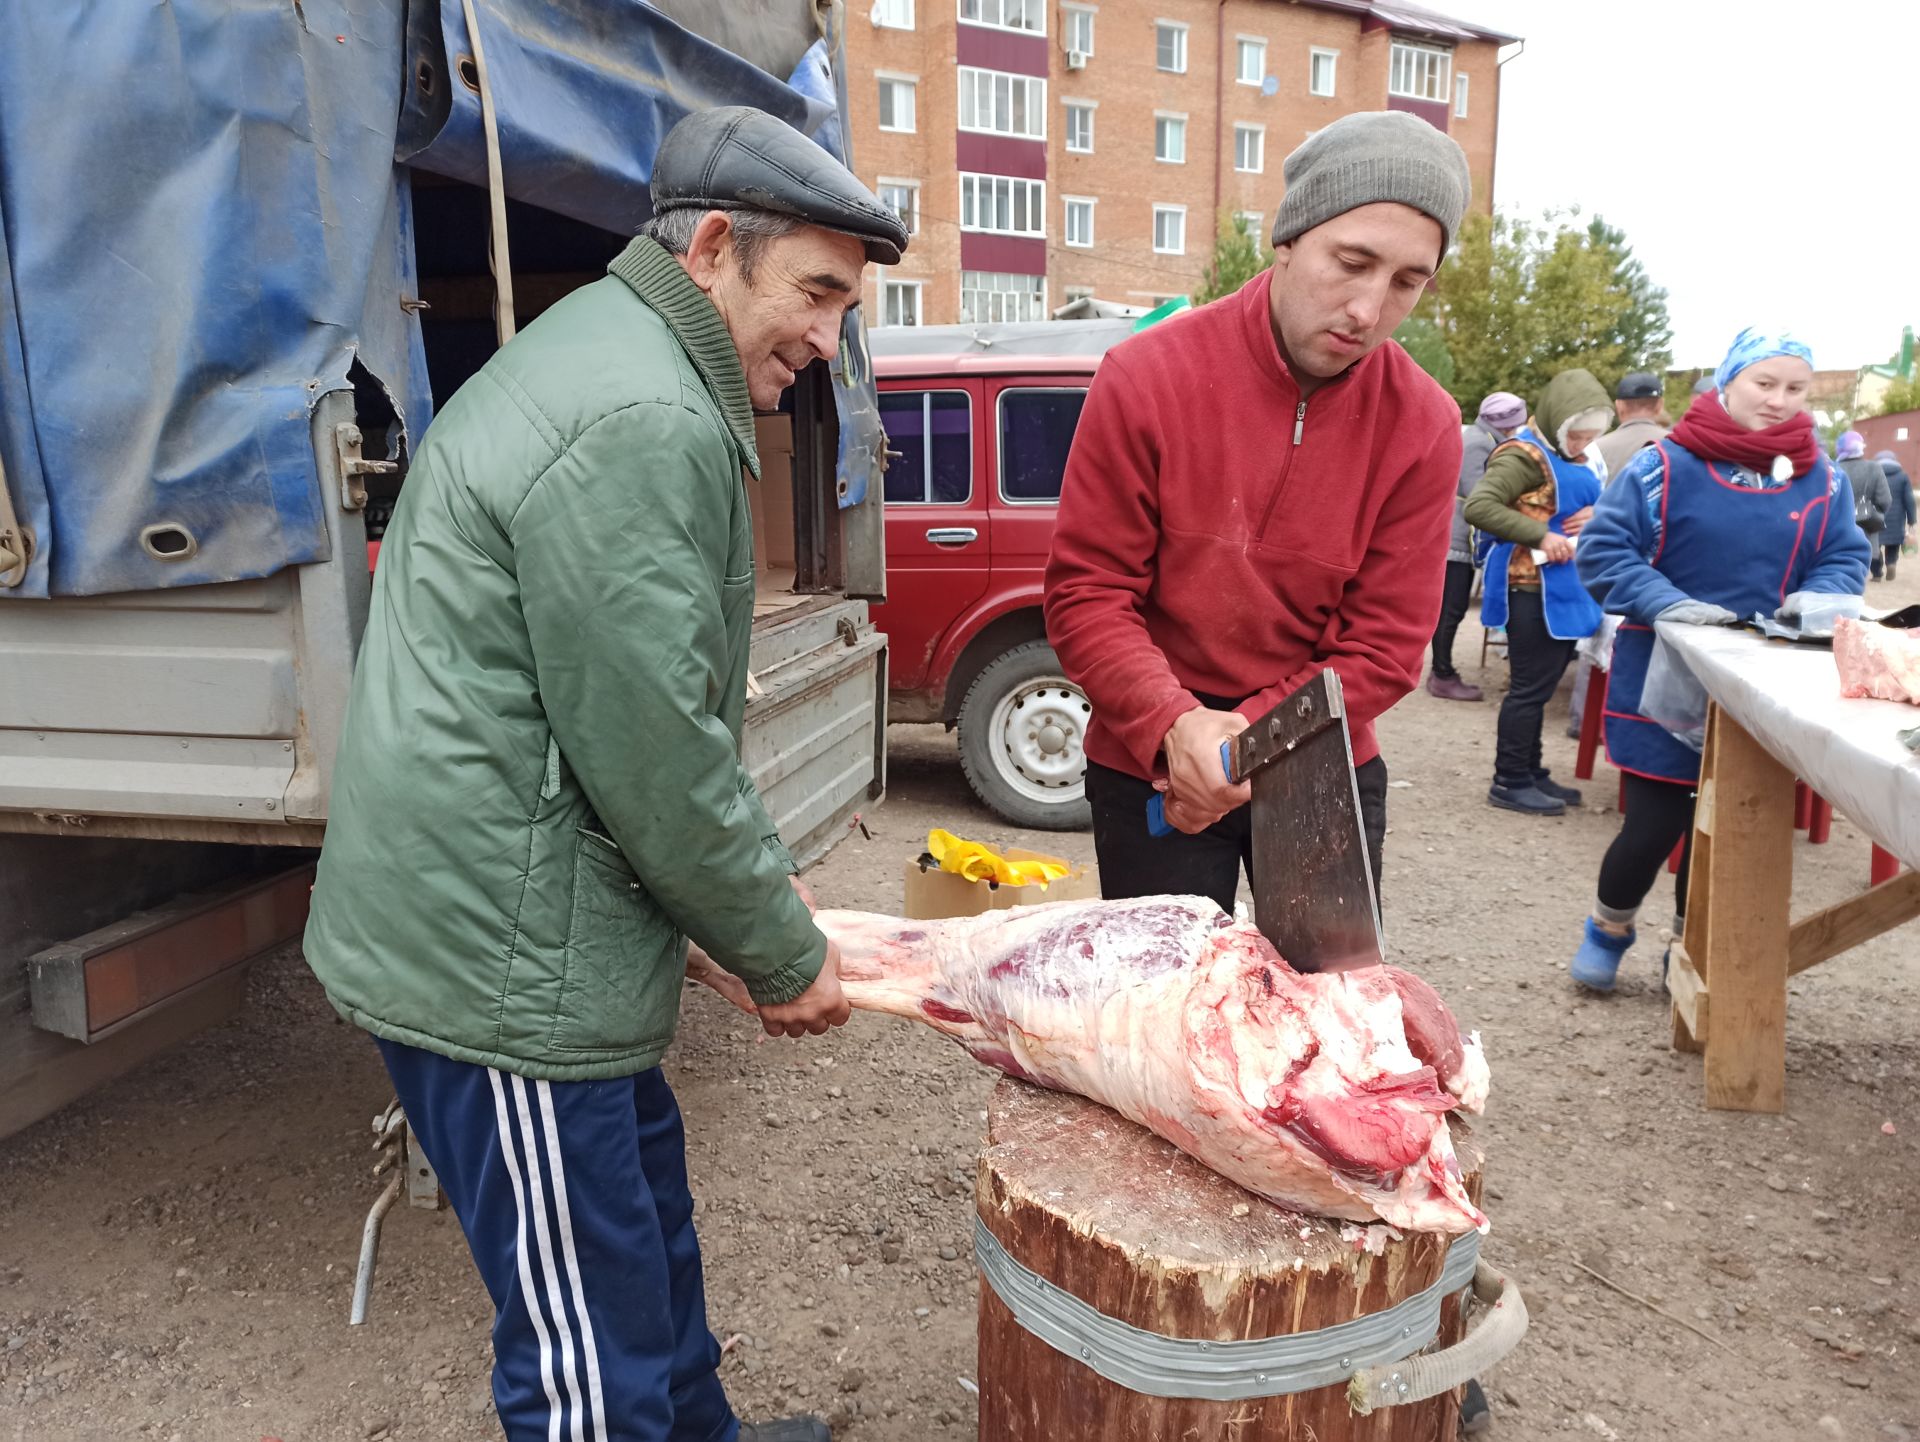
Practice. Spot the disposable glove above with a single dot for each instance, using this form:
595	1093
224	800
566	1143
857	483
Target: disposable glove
1698	613
1813	610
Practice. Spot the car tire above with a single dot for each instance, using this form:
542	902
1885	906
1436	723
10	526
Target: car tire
1023	727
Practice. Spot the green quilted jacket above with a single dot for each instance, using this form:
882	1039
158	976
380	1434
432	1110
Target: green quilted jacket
539	794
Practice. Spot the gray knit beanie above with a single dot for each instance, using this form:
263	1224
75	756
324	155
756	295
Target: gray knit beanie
1373	156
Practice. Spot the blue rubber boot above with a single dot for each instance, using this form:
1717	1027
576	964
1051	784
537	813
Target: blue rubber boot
1598	958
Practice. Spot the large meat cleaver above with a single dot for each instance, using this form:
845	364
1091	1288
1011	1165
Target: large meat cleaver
1311	876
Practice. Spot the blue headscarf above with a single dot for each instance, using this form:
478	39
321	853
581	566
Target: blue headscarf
1751	346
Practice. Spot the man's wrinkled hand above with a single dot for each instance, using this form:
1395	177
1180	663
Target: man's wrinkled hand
805	893
816	1010
1197	785
1184	816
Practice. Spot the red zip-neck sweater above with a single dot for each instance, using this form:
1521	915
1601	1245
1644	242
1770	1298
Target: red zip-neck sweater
1220	535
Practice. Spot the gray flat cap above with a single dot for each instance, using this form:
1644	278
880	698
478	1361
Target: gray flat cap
737	158
1368	157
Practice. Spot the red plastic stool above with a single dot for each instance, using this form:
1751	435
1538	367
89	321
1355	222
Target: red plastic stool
1592	721
1819	820
1884	867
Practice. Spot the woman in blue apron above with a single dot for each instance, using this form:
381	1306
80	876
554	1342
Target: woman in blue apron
1536	494
1735	512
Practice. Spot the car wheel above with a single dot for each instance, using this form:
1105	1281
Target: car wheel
1023	728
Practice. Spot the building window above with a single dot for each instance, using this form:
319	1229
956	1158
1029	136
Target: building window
1253	62
1460	95
1170	230
1002	205
1418	72
1078	23
1079	220
900	302
1170	47
1085	292
933	432
1036	432
893	14
1080	126
903	198
1029	15
1320	67
1250	148
988	295
1002	104
1170	138
1255	225
896	103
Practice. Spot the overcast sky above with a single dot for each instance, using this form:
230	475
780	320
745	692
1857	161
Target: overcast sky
1762	157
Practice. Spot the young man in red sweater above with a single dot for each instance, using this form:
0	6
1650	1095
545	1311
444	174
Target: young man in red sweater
1256	491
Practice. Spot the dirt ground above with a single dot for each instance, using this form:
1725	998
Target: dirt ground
177	1252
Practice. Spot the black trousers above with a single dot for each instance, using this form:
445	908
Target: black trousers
1453	610
1136	863
1538	661
1659	813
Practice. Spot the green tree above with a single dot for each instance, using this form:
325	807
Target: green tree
1518	301
1236	260
1423	341
1900	396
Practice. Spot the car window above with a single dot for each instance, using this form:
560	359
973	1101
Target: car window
1036	432
933	432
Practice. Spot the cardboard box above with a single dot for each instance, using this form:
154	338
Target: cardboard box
931	895
773	519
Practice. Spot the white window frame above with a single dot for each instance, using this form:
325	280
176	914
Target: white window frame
1068	202
1259	134
1179	32
1076	292
1256	228
1179	211
1241	43
1460	78
1089	106
919	289
975	79
912	187
883	78
1040	311
1000	8
893	7
1072	16
1434	64
1332	57
985	189
1170	117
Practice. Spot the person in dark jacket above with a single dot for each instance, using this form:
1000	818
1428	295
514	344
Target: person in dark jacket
1536	495
1736	512
1872	497
1900	515
1637	402
1501	414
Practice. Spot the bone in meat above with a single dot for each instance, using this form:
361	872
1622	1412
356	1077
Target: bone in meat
1305	1089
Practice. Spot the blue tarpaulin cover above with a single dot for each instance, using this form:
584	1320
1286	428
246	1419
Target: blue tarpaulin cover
205	220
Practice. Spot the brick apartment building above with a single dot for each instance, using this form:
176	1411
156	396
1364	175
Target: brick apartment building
1045	150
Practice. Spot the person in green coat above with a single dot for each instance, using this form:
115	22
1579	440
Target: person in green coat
539	815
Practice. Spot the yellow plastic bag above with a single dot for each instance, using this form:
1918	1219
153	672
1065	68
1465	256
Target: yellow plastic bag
975	862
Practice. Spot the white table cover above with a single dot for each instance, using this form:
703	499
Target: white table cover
1788	698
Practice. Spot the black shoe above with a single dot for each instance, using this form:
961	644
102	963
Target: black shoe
1524	796
1475	1416
1543	781
788	1429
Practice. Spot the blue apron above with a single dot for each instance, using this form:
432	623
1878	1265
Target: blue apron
1725	544
1571	613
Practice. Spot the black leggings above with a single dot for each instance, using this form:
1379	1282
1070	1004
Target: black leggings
1538	660
1659	814
1454	600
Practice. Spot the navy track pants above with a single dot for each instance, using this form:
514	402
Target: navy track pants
574	1200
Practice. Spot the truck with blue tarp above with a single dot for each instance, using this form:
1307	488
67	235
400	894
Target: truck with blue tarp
244	245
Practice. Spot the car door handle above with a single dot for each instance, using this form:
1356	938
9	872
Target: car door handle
952	535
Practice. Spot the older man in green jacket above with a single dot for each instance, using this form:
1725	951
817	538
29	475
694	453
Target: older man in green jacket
539	799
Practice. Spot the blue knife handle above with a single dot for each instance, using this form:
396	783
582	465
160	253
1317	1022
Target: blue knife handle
1157	809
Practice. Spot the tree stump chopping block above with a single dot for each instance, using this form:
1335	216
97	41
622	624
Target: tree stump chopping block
1099	1209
